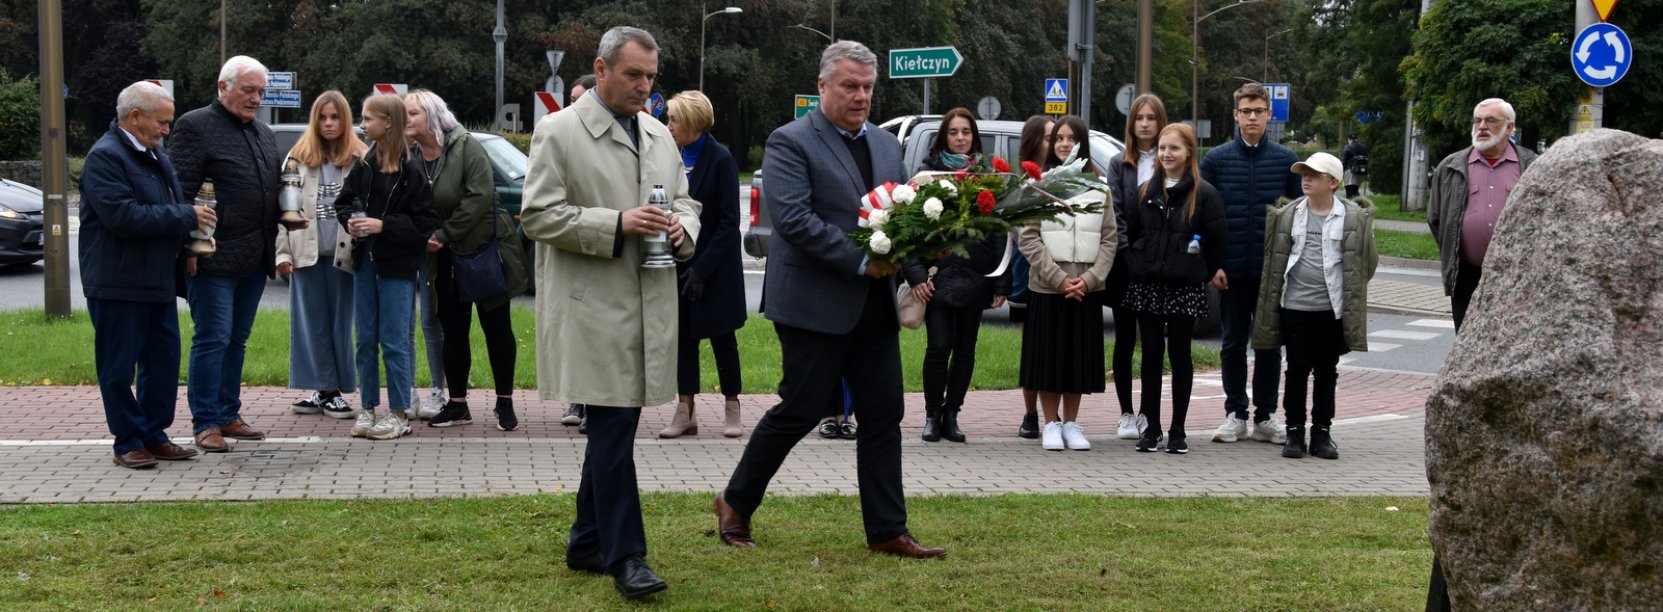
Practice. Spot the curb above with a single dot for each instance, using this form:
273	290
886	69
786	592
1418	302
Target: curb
1406	311
1403	262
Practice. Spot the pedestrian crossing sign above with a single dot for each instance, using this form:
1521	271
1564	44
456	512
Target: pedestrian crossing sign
1056	90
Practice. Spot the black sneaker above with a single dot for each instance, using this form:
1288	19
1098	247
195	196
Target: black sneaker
828	429
506	421
583	425
1150	441
846	430
1294	448
572	416
337	408
1322	445
1176	445
1030	426
453	414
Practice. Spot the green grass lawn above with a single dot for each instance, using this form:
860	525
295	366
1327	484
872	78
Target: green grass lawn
1006	552
59	352
1386	207
1409	245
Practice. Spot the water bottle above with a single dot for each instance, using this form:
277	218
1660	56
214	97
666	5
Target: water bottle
357	213
1195	245
657	247
201	241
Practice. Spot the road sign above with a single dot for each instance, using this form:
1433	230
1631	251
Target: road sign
165	84
389	89
281	98
1278	100
1604	7
924	62
804	105
547	104
1584	119
655	105
279	80
1601	55
1056	90
1123	98
988	108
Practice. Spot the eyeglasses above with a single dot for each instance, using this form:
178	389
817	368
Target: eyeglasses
1477	121
1253	112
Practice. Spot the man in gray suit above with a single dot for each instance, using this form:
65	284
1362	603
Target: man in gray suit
833	308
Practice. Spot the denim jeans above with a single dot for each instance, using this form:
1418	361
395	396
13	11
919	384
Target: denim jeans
433	334
222	312
381	314
1237	306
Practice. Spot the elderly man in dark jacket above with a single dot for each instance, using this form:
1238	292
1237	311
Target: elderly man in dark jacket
223	143
1251	174
134	218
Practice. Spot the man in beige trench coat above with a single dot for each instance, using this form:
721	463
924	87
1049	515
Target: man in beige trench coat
606	327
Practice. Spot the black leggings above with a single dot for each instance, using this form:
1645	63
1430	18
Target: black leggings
952	332
1125	341
456	319
1175	332
725	347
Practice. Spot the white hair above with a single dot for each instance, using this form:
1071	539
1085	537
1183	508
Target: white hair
612	43
845	50
1506	109
236	66
143	95
440	120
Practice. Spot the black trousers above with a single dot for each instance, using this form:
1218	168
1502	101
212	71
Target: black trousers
1237	307
813	363
142	335
1315	341
949	355
1174	332
725	347
1125	342
1466	282
456	319
608	500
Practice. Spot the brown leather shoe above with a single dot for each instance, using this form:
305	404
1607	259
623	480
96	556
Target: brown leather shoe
209	441
238	430
135	459
907	546
735	530
168	451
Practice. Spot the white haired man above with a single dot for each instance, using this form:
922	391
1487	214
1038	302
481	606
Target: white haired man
134	218
224	143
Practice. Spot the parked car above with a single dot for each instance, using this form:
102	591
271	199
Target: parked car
21	240
508	168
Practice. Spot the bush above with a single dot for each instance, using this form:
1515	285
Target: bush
19	117
522	141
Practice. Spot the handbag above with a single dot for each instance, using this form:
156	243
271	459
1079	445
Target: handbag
478	275
911	309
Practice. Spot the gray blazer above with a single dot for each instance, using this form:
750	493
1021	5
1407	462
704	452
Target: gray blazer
813	196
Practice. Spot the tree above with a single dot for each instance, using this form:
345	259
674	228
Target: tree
19	117
1353	48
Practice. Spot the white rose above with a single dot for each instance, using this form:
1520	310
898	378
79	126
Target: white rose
903	194
880	243
876	217
948	185
933	208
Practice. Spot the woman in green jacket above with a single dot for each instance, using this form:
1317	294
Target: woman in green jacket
464	195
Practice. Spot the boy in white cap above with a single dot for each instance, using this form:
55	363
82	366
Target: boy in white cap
1313	298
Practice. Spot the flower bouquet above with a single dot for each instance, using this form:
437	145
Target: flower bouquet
940	212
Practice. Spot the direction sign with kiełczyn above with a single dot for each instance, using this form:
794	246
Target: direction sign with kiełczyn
1601	55
924	62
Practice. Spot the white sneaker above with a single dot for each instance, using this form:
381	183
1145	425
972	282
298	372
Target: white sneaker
390	427
430	408
1270	431
1075	436
1128	428
1143	423
1232	430
366	420
1051	437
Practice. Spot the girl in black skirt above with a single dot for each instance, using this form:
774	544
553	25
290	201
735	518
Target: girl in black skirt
1062	343
1176	234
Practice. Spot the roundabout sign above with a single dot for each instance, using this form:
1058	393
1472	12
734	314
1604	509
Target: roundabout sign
1601	55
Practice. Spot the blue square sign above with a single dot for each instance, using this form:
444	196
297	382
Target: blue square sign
1056	90
1278	100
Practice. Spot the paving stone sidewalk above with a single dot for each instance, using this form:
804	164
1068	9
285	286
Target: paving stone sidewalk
58	450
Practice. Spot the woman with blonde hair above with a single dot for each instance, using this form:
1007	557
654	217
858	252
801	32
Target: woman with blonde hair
712	283
320	292
1132	168
457	169
391	216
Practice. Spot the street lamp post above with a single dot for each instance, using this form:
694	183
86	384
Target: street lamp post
707	16
824	35
500	35
1195	54
1267	52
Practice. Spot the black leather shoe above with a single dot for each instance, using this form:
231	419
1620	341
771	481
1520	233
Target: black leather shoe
932	426
1030	426
592	563
950	425
636	580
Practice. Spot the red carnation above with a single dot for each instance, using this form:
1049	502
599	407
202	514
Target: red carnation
1000	165
984	202
1032	169
961	175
